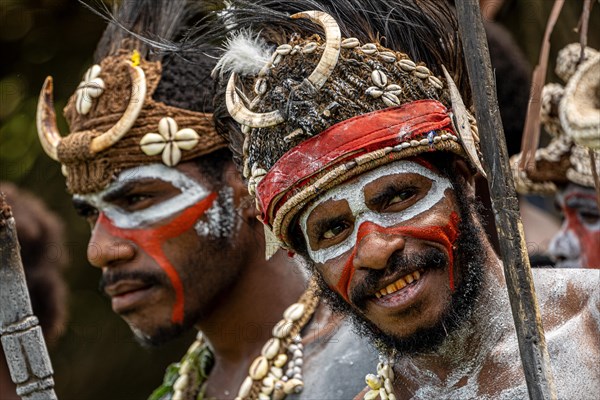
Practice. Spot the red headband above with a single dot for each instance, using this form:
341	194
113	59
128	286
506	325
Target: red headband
350	139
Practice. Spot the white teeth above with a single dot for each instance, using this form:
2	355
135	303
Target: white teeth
399	284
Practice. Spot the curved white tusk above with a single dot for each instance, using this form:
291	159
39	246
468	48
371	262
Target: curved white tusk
136	103
333	40
46	121
243	115
462	124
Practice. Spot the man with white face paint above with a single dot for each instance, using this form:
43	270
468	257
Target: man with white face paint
177	242
564	167
362	157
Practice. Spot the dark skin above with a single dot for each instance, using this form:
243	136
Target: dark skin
424	301
232	294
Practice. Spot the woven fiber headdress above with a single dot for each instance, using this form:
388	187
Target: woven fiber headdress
324	109
570	114
114	119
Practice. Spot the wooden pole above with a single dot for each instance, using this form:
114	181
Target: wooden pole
21	336
519	281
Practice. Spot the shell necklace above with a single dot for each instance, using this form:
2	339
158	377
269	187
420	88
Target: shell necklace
274	374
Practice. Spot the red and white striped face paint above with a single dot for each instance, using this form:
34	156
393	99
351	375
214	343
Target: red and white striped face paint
577	244
401	206
129	214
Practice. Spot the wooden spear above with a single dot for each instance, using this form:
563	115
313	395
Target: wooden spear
519	281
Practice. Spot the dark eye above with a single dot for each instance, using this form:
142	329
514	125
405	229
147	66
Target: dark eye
334	230
85	210
134	199
400	196
589	217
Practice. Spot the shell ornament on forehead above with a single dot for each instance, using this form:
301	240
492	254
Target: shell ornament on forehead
115	124
322	111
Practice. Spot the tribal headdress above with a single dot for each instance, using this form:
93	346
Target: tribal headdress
325	95
136	105
571	115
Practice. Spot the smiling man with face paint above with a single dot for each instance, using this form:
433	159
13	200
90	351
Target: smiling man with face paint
178	244
354	138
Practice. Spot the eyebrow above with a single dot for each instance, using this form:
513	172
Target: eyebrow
581	201
119	191
391	189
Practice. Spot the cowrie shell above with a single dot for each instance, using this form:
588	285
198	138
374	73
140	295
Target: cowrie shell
374	92
390	99
294	312
379	78
309	48
407	65
422	72
369	48
387	56
350	43
284	49
259	368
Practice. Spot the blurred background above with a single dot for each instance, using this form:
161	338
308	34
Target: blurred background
96	356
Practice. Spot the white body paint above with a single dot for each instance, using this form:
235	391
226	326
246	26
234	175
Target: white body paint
191	193
354	194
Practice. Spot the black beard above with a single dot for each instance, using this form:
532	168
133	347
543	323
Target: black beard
472	260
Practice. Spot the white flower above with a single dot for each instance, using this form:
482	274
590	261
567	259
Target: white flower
170	141
90	87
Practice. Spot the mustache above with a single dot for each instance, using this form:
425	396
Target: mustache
147	278
399	262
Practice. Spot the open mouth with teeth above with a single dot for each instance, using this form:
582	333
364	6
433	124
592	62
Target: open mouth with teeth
400	284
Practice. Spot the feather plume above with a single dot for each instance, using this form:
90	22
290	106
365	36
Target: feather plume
245	53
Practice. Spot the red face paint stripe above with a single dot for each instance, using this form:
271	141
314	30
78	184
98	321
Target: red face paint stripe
151	240
446	235
589	239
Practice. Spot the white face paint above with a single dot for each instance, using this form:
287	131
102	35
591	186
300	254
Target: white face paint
222	220
354	194
191	193
577	244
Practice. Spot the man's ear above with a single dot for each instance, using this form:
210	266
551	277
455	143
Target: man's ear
242	199
464	170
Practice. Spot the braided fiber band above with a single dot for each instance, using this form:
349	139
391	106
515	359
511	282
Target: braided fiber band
348	149
87	171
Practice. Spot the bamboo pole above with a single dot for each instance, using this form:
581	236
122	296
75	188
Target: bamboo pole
519	281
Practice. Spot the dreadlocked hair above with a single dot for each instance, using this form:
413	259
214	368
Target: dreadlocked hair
424	31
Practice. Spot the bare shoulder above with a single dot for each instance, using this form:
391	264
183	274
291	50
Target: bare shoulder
569	303
565	293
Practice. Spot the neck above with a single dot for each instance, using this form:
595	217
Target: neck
244	317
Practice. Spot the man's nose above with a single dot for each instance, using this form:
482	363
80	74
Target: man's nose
375	248
106	249
564	246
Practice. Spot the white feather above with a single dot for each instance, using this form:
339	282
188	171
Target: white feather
245	54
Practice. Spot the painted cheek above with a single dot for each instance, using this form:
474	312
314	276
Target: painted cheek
588	238
445	235
151	240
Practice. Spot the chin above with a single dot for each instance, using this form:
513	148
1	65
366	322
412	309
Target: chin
157	336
